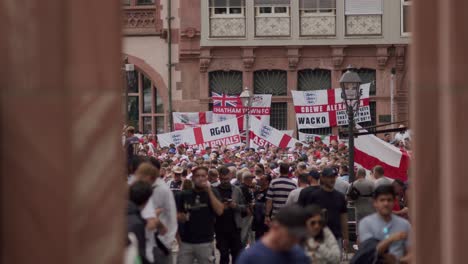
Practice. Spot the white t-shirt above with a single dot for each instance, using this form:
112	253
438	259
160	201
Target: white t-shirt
382	181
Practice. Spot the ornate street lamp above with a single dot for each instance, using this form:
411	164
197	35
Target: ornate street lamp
246	98
350	83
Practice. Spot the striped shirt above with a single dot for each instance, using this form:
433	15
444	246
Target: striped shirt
279	191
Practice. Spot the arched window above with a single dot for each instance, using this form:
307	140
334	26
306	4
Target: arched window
145	108
274	82
317	79
225	82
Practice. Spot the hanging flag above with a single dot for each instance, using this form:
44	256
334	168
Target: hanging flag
327	139
226	107
183	120
326	108
370	151
216	134
262	135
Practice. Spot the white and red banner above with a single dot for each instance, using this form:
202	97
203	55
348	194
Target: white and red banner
304	137
227	107
262	135
326	108
184	120
370	151
216	134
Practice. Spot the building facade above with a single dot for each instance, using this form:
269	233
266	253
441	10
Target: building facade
270	46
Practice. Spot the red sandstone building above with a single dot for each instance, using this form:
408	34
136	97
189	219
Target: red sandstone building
270	46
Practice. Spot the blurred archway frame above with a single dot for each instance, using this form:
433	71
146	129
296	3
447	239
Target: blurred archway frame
439	93
61	184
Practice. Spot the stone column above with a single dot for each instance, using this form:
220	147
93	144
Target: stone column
439	94
62	181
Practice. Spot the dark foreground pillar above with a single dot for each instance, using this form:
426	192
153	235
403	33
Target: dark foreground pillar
439	100
62	198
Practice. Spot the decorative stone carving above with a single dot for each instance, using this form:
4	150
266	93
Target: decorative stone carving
138	20
190	32
248	58
248	63
272	26
318	26
400	57
204	64
293	58
337	56
227	27
363	25
292	63
382	56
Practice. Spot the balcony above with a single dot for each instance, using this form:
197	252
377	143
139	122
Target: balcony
361	25
141	20
272	26
227	27
318	25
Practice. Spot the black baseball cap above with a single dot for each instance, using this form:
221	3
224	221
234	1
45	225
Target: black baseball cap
294	218
328	172
314	174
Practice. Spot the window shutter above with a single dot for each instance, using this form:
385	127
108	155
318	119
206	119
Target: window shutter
363	7
272	2
314	4
227	3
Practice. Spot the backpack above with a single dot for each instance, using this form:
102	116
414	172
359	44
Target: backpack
354	193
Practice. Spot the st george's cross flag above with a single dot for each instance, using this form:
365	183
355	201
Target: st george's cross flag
326	108
230	106
370	151
216	134
307	138
183	120
262	135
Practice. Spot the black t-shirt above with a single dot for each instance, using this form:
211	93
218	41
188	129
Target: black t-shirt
130	143
259	208
200	226
334	202
306	193
225	223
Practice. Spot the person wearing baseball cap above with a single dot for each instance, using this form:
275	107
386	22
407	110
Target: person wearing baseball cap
333	201
280	243
176	181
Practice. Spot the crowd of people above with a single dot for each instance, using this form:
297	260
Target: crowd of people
268	205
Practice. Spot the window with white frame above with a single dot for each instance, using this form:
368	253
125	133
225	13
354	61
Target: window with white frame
317	7
269	8
405	17
228	8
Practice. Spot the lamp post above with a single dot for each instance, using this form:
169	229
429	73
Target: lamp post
246	98
350	84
